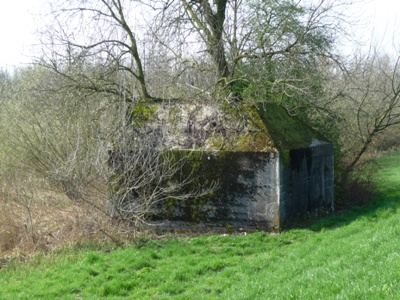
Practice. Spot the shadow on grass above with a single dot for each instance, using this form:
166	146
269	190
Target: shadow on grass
386	198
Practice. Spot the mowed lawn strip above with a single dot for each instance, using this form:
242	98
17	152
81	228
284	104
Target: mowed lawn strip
355	255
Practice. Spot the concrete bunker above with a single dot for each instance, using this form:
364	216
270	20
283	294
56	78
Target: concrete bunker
272	168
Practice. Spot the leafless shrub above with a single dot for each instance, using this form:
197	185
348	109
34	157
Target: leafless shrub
9	229
71	186
145	174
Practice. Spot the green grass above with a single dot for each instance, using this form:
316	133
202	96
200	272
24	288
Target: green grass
355	255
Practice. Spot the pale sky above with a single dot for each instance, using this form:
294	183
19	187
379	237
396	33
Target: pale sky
17	28
380	24
19	18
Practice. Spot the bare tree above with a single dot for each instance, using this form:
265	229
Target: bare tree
208	20
368	102
94	43
262	44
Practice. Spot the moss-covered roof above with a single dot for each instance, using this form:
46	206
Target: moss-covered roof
243	127
287	132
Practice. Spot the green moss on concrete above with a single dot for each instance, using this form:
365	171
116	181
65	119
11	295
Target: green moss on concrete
172	114
264	127
143	113
285	157
216	143
271	128
255	142
204	169
288	132
254	137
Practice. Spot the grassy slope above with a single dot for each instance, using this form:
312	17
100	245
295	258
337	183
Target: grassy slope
352	256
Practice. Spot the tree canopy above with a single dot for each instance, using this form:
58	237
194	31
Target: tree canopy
199	46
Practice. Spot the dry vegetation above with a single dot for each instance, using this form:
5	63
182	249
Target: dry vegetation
34	217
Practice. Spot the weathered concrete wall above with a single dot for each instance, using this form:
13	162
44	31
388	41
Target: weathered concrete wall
307	182
210	127
248	194
261	190
255	192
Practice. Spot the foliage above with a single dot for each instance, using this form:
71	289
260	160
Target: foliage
286	52
256	51
201	46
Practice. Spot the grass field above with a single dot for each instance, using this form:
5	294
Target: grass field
355	255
